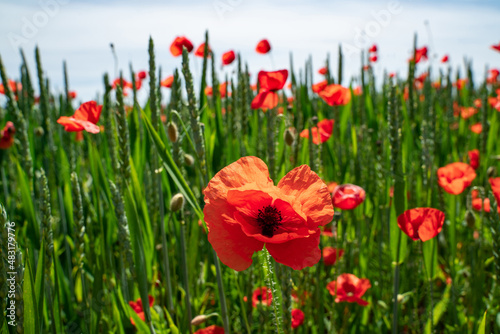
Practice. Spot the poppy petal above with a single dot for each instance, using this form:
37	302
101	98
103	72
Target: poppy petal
265	100
292	253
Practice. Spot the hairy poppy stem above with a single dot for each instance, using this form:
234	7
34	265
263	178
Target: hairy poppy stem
267	265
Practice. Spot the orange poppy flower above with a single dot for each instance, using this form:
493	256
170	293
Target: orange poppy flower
7	136
477	202
496	47
137	307
373	48
493	77
445	59
222	90
228	57
167	82
297	318
373	59
263	47
85	118
357	91
348	196
495	187
460	84
321	133
200	51
421	223
476	128
322	71
123	83
331	255
214	329
436	84
269	82
244	211
178	44
262	296
331	186
318	87
349	288
455	177
474	158
14	87
335	95
468	112
478	103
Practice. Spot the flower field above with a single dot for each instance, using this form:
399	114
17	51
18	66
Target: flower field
251	203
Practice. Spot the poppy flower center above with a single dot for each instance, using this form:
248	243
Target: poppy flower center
269	218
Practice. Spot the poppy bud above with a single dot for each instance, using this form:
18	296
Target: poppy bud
39	131
198	320
173	133
470	219
188	159
289	136
492	171
177	202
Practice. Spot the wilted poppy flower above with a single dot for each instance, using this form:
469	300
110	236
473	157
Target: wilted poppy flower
421	223
269	82
263	47
7	136
137	307
167	82
349	288
244	211
495	187
373	48
348	196
228	57
373	59
200	51
322	71
318	87
262	296
331	255
476	128
335	95
474	158
496	47
297	318
420	54
210	330
455	177
444	59
321	133
178	43
85	118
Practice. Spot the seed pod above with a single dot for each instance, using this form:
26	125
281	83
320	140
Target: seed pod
177	202
173	133
470	219
39	132
188	159
198	320
492	171
289	136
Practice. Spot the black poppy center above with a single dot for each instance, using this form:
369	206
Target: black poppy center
269	219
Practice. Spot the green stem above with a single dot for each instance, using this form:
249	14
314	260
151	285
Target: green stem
267	263
185	273
222	297
396	289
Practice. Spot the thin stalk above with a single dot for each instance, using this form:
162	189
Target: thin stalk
185	273
166	264
396	289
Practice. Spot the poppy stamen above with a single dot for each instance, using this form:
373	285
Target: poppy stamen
269	218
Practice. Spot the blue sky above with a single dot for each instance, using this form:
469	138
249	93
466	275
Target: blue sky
80	32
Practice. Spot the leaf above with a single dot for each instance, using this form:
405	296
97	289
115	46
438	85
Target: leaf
31	320
482	325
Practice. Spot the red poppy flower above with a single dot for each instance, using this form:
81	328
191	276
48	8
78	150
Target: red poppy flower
349	288
262	296
373	48
321	133
269	82
72	95
444	59
493	77
167	82
496	47
331	255
327	231
297	318
495	188
244	211
335	95
263	47
348	196
7	136
142	75
85	118
421	54
228	57
373	59
121	82
392	75
474	158
477	202
14	87
178	44
476	128
455	177
200	51
137	307
322	71
210	330
421	223
318	87
468	112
